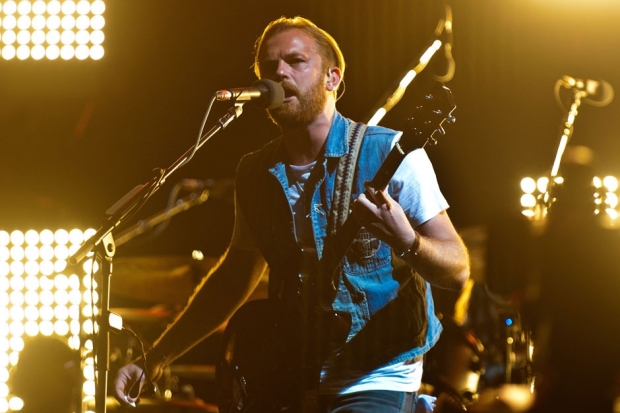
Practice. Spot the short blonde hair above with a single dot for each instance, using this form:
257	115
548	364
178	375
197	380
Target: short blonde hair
329	50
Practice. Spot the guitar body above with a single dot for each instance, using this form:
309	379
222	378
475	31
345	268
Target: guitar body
260	364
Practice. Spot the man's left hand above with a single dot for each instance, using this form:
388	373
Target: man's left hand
377	211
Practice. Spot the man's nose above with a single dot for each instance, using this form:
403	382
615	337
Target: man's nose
282	70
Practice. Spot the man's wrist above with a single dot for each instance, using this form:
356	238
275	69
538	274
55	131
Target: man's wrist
413	249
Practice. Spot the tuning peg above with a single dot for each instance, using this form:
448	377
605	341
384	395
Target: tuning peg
441	130
450	119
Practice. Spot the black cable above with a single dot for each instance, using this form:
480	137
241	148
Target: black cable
149	391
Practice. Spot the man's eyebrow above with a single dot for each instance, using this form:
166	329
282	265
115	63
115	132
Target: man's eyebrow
285	56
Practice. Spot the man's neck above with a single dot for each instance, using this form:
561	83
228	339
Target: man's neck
304	144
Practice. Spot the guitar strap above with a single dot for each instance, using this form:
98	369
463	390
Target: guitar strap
344	177
341	202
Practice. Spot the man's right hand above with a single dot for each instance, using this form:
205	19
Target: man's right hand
131	380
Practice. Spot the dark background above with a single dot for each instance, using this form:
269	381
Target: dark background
77	135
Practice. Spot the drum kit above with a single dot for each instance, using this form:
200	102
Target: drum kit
161	405
159	286
148	292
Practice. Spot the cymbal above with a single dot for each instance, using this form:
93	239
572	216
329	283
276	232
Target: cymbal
193	371
144	315
159	404
168	279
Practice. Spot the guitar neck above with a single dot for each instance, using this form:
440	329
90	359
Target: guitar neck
418	131
336	247
388	168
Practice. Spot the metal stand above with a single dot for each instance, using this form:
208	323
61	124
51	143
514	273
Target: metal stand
103	245
104	253
567	130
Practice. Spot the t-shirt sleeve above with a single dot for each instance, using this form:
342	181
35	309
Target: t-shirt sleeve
416	189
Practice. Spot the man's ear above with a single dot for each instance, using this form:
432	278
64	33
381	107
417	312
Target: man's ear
333	78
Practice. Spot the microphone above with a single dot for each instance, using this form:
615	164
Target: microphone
601	90
264	93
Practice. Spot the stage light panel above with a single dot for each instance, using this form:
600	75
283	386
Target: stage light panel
38	297
52	30
605	201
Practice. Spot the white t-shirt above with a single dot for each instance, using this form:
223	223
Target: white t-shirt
416	190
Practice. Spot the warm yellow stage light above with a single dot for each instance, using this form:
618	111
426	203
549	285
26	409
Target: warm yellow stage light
52	38
67	37
68	7
31	237
46	237
17	253
528	185
97	37
67	52
53	7
83	7
23	22
82	37
67	22
96	52
38	22
17	237
536	198
53	22
81	52
23	37
15	404
47	29
38	7
9	37
9	22
24	7
9	7
97	7
37	296
611	183
97	22
5	269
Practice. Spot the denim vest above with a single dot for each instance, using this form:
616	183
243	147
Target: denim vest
391	306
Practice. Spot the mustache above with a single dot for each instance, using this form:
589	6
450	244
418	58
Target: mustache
289	89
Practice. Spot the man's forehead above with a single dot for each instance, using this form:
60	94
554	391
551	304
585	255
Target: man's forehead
289	41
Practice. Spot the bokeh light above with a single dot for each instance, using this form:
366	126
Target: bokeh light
52	29
38	299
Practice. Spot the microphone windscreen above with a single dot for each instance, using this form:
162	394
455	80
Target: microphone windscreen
272	94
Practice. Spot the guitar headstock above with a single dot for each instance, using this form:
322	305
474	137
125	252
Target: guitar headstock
427	119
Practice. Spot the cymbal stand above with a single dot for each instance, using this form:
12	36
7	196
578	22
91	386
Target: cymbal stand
102	244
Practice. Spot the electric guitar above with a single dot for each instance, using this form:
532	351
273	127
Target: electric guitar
271	352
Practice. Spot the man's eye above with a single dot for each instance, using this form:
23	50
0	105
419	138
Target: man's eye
269	67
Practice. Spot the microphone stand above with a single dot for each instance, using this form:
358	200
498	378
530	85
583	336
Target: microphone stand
567	129
102	244
149	223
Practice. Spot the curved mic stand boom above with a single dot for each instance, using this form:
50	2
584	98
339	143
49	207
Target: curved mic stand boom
583	91
102	244
567	131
